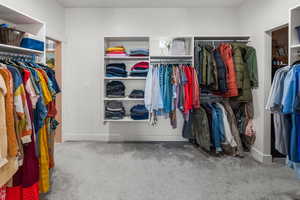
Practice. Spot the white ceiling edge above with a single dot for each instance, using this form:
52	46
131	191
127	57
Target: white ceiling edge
151	4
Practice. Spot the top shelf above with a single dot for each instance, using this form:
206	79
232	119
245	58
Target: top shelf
128	39
14	49
16	17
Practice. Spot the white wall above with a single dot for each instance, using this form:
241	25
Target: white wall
82	78
257	17
48	11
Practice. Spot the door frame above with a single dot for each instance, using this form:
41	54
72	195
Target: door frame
58	75
268	84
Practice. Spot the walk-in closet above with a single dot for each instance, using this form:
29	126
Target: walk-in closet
144	100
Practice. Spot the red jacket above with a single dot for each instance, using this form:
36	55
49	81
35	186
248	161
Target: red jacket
226	54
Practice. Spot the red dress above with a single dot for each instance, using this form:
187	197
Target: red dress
25	181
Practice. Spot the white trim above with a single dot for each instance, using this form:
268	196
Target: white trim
260	157
84	137
121	137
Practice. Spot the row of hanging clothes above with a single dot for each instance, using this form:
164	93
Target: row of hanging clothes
221	126
226	69
170	87
27	126
227	74
284	103
215	94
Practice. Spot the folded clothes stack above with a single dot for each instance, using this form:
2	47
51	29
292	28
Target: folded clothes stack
140	69
139	52
116	70
137	94
114	110
115	89
139	112
116	51
178	47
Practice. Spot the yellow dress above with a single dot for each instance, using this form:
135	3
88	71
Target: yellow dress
44	182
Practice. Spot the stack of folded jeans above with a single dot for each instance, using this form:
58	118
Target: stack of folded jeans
139	52
140	69
114	110
115	89
116	70
139	112
137	94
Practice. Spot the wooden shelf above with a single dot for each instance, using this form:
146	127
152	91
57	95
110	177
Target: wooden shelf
126	119
14	49
123	99
125	78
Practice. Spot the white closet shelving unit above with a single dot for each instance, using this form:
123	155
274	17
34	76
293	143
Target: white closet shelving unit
24	23
157	52
130	83
160	52
294	41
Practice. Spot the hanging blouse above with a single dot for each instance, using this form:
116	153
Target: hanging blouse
3	131
9	111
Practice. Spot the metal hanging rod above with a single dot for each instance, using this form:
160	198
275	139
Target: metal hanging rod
222	41
17	56
223	38
173	61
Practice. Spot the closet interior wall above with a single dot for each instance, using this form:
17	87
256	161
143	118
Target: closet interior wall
84	58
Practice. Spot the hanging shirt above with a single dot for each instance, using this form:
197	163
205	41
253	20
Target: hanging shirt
3	130
29	87
290	97
148	90
274	102
9	110
21	106
228	135
156	95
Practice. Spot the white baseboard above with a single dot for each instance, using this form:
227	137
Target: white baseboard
261	157
120	137
84	137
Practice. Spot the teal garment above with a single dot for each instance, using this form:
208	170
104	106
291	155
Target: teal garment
168	88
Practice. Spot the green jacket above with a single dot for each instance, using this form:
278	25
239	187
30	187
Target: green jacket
209	69
242	74
251	60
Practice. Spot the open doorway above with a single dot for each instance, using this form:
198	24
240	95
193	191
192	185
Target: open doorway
280	57
53	60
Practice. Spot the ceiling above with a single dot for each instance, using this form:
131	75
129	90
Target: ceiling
149	3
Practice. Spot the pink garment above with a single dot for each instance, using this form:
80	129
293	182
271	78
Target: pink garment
144	65
116	55
3	192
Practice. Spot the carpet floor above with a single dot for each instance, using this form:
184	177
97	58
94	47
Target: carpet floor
163	171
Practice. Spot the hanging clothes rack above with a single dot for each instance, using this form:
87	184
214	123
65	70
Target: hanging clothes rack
215	41
171	61
17	56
